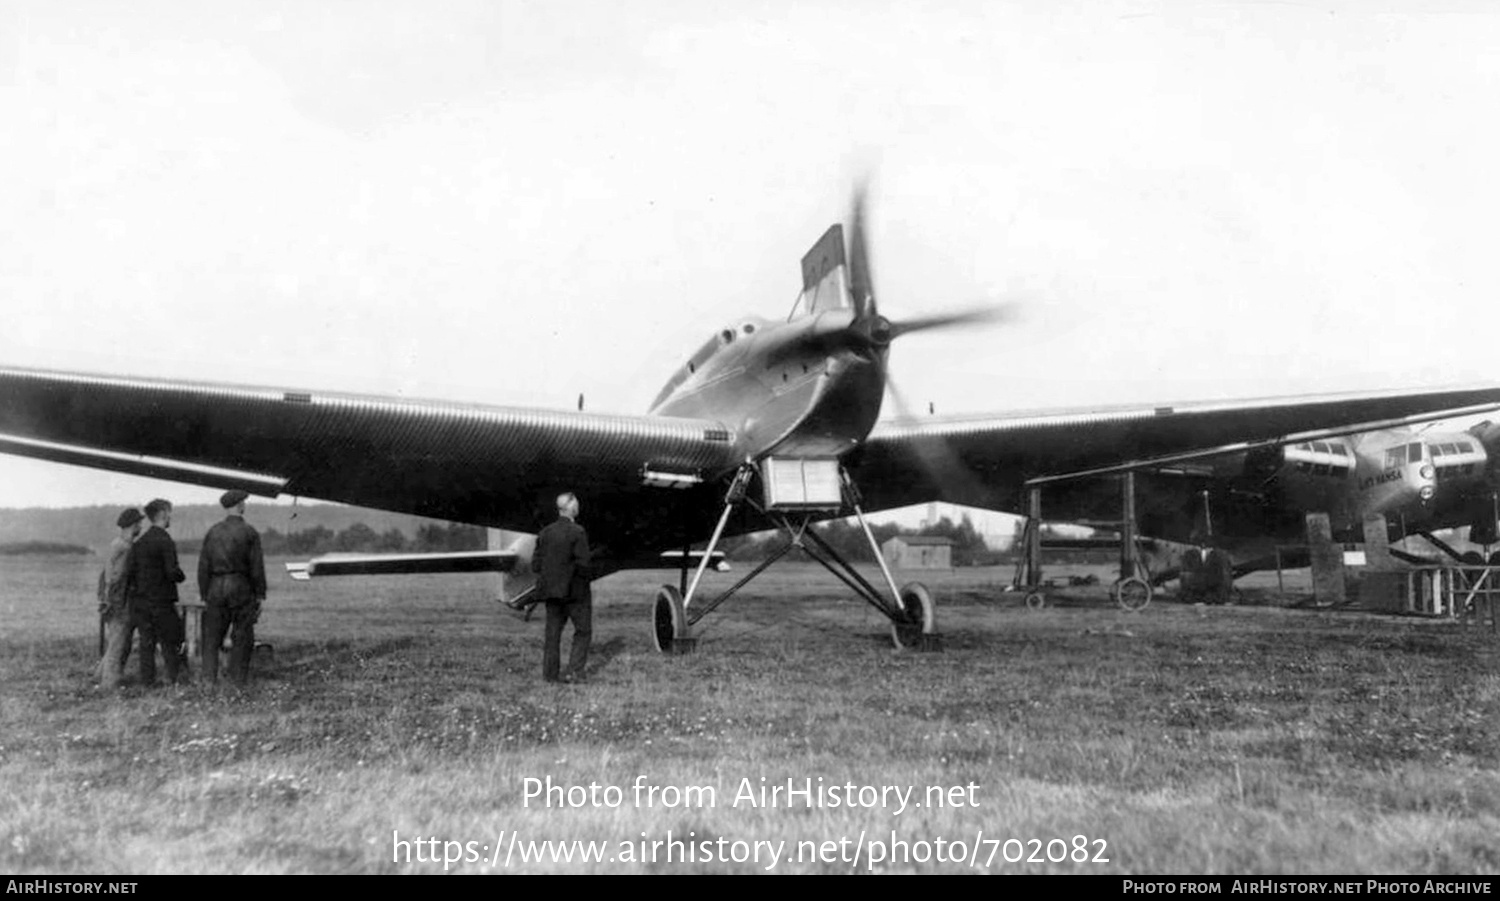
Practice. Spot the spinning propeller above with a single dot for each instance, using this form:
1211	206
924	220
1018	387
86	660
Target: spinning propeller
875	330
943	467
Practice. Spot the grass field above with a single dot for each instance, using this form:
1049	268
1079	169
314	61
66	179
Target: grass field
1181	739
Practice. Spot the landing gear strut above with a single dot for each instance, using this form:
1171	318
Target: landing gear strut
909	608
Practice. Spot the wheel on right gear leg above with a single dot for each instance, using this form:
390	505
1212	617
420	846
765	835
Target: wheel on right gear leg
1133	593
669	625
917	628
1035	600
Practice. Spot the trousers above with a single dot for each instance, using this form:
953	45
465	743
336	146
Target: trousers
230	604
159	624
581	613
117	634
239	624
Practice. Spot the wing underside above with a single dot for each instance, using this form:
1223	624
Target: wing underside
472	463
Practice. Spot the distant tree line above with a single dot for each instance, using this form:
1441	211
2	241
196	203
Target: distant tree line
17	548
846	537
361	539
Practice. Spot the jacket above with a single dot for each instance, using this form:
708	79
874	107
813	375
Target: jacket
112	577
561	560
152	573
232	547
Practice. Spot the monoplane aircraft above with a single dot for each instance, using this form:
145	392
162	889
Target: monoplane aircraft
778	419
1252	505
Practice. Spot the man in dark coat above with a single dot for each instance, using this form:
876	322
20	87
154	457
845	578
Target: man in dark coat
232	585
561	561
151	587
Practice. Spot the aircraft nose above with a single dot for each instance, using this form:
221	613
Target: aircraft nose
1427	485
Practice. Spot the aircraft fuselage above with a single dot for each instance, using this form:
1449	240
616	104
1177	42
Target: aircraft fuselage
808	387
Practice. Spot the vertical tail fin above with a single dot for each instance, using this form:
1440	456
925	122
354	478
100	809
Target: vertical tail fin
825	275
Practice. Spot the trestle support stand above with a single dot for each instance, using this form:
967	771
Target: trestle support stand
1132	590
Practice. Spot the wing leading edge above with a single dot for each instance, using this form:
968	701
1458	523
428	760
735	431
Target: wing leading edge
464	462
984	461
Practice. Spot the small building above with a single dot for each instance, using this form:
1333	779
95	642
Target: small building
918	552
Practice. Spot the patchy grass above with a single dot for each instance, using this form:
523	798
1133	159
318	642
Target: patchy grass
1188	739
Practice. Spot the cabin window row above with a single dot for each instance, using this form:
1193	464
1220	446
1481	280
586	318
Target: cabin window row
1403	454
1324	447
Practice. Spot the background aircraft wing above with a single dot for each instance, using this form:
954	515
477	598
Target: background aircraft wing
403	564
983	461
495	466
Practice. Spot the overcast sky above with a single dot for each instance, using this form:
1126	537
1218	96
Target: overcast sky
518	202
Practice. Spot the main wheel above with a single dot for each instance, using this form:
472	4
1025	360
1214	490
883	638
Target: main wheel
1035	600
918	618
1133	593
669	623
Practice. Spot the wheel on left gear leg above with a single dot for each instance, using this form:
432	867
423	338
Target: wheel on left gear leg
669	625
1035	600
917	627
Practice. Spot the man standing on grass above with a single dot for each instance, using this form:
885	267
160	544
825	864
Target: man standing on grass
561	561
151	590
114	612
232	585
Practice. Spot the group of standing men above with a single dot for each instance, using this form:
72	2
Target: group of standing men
138	593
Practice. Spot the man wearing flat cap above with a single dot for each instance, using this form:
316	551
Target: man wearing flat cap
114	612
232	585
151	578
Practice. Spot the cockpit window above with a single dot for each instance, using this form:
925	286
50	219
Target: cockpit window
1338	449
1395	457
1414	452
1466	447
1450	448
1321	447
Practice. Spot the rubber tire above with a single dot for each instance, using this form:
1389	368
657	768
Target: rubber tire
1133	594
921	617
1035	600
668	619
